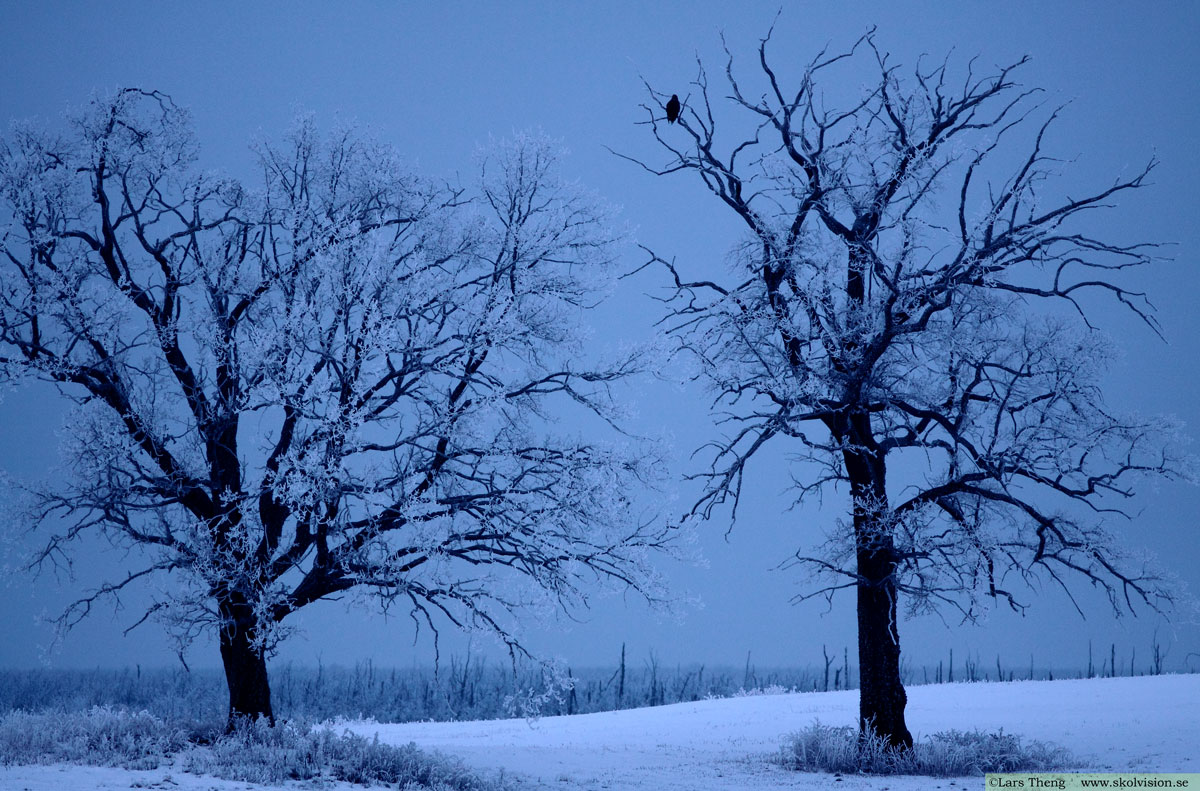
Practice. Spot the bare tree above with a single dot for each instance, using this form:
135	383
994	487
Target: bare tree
342	379
909	298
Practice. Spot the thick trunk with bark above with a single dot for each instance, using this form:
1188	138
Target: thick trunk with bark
881	698
245	667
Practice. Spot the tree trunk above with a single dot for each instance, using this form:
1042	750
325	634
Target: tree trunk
881	697
245	667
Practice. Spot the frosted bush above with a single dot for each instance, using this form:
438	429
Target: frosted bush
101	736
254	752
825	748
258	753
770	689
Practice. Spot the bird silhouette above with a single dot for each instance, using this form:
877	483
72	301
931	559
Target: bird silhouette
673	109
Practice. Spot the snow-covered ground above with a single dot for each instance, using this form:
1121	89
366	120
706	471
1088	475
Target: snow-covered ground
1146	724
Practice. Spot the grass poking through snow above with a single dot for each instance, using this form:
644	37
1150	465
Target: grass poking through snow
105	736
101	736
823	748
258	753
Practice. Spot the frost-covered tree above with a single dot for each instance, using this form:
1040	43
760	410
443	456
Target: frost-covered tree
340	377
908	315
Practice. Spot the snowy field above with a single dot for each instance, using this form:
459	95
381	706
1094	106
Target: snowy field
1144	724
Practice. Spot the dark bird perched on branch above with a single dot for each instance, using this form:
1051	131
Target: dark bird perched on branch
672	109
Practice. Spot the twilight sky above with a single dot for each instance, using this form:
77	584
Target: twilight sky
439	79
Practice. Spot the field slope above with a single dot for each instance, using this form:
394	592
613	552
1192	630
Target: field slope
1143	724
1146	723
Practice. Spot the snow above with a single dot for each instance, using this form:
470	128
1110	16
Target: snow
95	778
1124	724
86	778
1145	723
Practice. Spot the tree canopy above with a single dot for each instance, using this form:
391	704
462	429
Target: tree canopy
907	313
341	376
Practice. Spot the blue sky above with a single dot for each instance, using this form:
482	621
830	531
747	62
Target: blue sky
437	80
